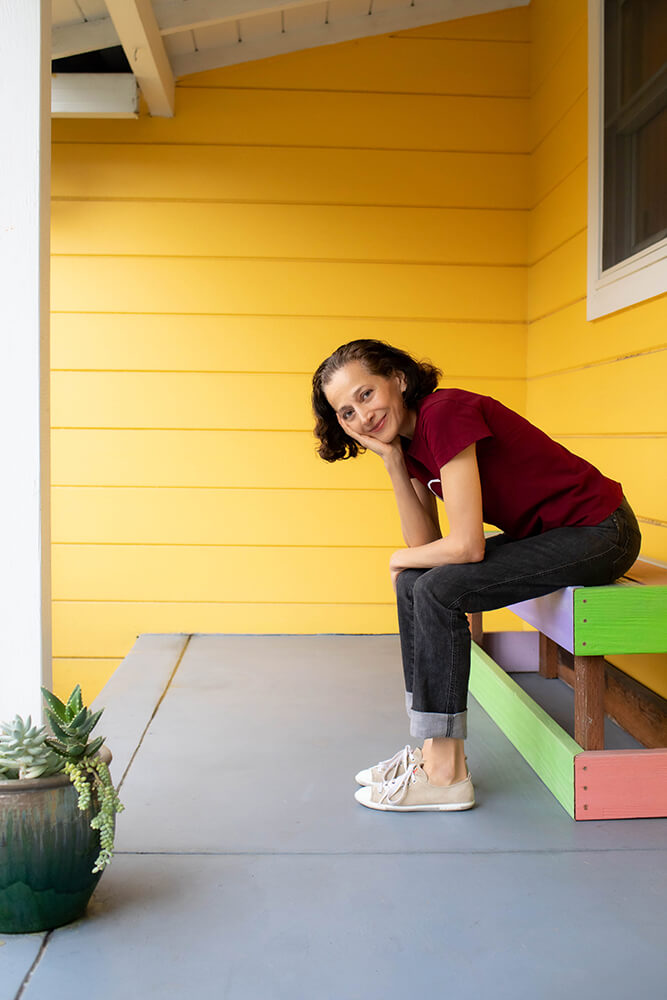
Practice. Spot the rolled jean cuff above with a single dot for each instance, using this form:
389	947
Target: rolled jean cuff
429	725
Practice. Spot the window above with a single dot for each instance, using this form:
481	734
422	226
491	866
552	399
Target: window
627	153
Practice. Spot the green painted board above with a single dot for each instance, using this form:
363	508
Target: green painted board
549	750
620	619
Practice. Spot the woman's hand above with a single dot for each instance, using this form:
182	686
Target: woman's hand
385	450
395	568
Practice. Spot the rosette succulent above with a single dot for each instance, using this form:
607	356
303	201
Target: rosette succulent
24	752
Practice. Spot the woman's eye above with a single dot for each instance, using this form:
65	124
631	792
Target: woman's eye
366	393
347	414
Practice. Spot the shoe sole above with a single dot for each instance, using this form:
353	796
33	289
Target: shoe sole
431	807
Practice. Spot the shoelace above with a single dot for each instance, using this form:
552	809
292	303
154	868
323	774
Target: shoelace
402	758
394	791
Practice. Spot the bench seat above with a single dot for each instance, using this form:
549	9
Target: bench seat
588	623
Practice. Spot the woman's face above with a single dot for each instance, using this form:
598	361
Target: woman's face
369	404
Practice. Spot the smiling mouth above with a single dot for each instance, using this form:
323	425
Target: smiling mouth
378	427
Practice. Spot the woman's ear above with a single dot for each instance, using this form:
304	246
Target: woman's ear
402	381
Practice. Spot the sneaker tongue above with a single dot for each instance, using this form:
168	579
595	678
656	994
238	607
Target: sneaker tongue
417	754
419	773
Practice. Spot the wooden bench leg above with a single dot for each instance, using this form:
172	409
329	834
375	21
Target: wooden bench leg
548	657
476	627
589	702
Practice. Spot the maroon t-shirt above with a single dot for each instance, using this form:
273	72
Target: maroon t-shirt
530	483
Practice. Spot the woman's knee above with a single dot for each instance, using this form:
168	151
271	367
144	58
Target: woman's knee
445	585
405	583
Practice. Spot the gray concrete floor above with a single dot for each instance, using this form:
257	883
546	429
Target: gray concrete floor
246	870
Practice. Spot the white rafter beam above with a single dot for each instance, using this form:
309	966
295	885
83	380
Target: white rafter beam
140	37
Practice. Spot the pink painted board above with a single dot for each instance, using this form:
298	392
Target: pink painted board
551	615
620	784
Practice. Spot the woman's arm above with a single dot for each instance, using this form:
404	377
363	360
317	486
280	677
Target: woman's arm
462	493
416	505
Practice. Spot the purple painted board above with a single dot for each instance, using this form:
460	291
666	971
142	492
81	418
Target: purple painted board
517	652
551	615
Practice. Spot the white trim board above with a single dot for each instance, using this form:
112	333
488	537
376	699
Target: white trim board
643	275
94	95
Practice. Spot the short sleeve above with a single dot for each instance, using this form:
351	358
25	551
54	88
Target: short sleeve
452	425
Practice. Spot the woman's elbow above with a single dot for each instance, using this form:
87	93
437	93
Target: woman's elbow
472	551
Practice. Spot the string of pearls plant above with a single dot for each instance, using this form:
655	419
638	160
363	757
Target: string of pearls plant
72	724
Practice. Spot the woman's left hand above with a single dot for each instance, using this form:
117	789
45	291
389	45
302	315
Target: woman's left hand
395	568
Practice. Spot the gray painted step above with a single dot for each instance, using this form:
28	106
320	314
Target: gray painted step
504	926
17	953
256	743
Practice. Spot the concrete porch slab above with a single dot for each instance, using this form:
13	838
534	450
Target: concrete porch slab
511	926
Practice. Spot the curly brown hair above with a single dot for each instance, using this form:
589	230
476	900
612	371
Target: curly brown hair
378	358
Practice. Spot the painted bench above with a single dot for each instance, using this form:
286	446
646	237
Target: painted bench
576	628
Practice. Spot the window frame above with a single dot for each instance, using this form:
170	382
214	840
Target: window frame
644	275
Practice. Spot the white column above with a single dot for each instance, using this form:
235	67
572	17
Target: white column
25	558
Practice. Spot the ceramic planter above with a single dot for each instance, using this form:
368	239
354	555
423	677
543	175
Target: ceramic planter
47	852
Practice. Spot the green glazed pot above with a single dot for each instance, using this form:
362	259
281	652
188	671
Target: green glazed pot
47	853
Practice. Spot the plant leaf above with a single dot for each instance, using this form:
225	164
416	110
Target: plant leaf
75	701
55	704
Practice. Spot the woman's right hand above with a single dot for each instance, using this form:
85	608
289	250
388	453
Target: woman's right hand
385	450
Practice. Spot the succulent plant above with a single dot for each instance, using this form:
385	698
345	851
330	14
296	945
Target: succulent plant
24	752
72	724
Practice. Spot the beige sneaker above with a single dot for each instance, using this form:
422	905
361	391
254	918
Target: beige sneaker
389	769
413	792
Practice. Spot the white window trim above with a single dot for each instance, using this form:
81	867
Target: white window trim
643	275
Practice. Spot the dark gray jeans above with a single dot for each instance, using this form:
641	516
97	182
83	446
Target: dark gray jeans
432	606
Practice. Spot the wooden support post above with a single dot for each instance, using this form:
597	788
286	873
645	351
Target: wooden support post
548	657
589	702
25	160
476	627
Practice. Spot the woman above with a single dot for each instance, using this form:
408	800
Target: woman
563	523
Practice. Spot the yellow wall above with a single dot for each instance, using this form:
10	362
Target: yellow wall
428	188
202	268
597	387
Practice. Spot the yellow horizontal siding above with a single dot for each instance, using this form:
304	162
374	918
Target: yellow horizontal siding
654	540
273	343
623	397
241	574
158	285
554	23
90	673
560	215
506	25
397	62
557	280
561	150
225	517
328	176
649	669
564	84
231	117
253	401
420	235
566	340
201	458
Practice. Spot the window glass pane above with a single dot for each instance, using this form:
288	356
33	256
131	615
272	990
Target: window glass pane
643	42
651	180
